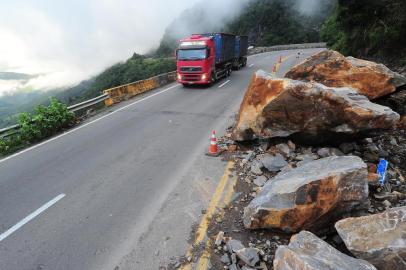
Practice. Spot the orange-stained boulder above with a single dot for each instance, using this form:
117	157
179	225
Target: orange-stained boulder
379	239
335	70
274	107
308	252
310	196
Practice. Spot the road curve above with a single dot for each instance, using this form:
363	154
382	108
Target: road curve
124	189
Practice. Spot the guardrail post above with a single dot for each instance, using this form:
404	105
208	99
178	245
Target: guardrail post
109	101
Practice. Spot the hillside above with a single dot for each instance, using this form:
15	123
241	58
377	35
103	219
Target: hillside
270	23
266	22
368	28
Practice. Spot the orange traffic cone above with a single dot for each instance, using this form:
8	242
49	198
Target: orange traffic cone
280	59
274	68
213	149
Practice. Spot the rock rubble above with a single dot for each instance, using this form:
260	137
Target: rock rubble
331	188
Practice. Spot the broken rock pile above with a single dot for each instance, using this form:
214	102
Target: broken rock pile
329	188
238	257
359	156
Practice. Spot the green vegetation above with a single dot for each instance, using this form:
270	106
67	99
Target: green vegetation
368	28
43	123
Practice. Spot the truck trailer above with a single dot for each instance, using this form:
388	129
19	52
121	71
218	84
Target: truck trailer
240	52
204	58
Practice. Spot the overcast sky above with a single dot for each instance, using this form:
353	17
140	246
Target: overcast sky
69	41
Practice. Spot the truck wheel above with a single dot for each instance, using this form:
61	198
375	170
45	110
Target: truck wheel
185	85
212	79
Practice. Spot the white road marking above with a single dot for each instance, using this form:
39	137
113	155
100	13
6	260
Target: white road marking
251	65
85	125
30	217
226	82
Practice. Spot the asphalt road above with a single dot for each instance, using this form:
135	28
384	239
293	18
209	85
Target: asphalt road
124	189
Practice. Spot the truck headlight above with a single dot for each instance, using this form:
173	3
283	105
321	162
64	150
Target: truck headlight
179	77
204	76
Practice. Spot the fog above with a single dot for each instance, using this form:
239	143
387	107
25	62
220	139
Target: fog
65	42
309	7
205	16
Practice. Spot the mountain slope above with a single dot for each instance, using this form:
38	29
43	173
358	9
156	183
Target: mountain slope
368	27
266	22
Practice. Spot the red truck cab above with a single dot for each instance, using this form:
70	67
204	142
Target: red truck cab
196	60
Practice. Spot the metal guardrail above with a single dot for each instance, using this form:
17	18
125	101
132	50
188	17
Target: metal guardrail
8	131
115	94
11	130
257	50
88	103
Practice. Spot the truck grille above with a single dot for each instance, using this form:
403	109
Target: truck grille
191	77
191	69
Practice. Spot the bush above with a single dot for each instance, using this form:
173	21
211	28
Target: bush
45	122
11	144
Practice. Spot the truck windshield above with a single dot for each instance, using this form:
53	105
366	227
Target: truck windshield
196	54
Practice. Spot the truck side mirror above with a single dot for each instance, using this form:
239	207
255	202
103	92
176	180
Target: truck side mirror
208	52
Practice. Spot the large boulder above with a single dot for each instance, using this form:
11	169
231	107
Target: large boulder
308	252
274	107
310	196
335	70
379	239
